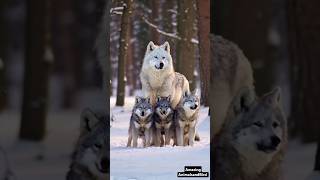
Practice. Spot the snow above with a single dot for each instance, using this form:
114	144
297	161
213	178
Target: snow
154	162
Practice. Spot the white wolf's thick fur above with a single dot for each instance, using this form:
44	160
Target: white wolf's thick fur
158	77
231	72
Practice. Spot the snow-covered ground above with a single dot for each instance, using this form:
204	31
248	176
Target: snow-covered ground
154	162
50	159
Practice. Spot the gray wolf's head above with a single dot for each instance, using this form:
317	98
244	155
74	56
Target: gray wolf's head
92	150
158	58
143	109
163	106
191	102
259	125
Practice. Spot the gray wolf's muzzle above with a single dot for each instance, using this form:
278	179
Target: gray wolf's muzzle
270	147
104	165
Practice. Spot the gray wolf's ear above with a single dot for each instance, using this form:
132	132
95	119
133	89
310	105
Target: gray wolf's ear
273	98
158	98
169	98
138	99
150	47
185	94
242	102
148	99
88	120
166	46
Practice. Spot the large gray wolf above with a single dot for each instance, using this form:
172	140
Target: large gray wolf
251	143
158	77
163	119
186	119
141	122
90	160
231	72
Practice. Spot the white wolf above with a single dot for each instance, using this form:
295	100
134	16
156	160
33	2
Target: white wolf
158	77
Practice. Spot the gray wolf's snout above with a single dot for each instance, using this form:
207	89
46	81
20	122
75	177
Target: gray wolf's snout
142	113
275	141
194	107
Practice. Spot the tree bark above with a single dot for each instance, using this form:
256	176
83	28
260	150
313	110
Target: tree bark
154	5
123	52
204	47
186	50
37	63
304	43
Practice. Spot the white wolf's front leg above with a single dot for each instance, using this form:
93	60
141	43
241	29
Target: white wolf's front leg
192	132
179	135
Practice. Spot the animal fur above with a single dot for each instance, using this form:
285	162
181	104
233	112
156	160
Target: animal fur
158	77
140	123
186	119
252	141
90	160
163	119
231	72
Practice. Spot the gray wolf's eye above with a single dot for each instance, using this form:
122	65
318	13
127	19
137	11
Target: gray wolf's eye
275	124
258	124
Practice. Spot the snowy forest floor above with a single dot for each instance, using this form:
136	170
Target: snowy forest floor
50	159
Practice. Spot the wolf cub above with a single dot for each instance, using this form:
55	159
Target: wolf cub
186	118
163	121
141	122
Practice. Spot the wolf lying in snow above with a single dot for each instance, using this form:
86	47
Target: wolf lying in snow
251	143
90	160
158	77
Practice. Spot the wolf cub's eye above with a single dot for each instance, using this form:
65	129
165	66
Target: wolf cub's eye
275	124
258	124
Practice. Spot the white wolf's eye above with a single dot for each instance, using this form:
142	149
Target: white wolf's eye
258	124
163	57
156	57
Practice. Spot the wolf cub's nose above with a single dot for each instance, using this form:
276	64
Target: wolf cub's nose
142	113
104	164
275	141
161	65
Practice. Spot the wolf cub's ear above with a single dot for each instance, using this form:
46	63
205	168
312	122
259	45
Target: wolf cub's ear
166	46
273	98
138	99
150	47
242	102
169	98
88	120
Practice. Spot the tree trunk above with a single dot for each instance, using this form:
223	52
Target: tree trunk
37	62
154	6
204	47
123	51
3	45
186	50
304	43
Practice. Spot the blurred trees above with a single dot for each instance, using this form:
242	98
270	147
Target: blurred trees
3	45
304	42
38	60
186	49
123	51
204	48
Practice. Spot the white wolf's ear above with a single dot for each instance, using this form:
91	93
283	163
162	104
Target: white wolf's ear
88	120
273	98
166	46
150	47
242	102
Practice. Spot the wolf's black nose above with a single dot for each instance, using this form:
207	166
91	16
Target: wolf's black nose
195	106
275	141
161	65
142	113
104	164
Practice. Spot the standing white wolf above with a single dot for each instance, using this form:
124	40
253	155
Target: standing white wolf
158	77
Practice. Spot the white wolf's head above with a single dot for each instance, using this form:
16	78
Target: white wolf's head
158	58
258	127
